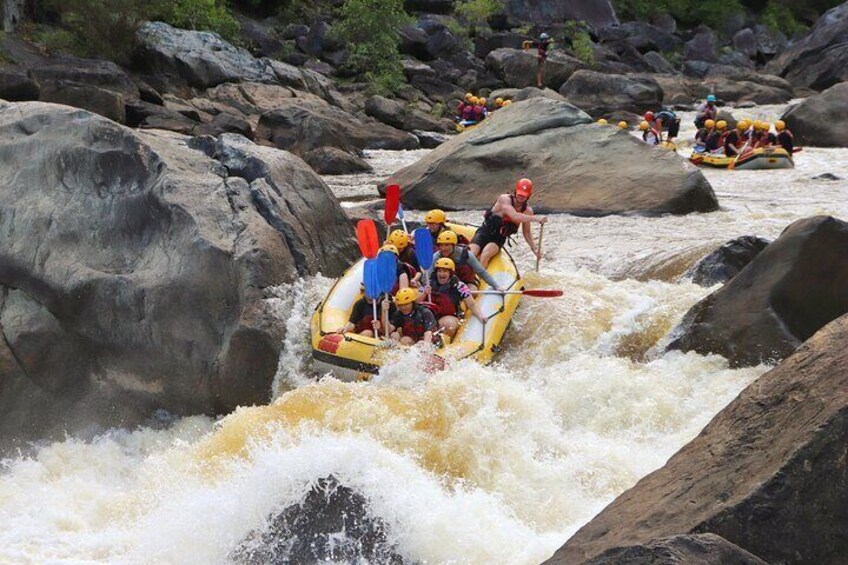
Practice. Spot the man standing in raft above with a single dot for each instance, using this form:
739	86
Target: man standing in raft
503	220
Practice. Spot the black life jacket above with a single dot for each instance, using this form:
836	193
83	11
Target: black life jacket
505	226
464	271
413	324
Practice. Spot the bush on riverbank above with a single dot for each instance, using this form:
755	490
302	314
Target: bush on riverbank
371	28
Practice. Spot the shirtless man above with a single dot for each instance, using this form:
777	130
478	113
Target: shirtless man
510	212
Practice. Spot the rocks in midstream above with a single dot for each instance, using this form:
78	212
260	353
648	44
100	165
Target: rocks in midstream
821	120
767	474
725	262
135	270
331	524
577	167
788	292
818	60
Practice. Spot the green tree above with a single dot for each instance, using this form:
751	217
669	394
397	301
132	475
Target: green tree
371	28
476	13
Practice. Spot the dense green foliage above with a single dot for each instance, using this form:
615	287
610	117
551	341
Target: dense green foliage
581	42
371	30
477	12
107	28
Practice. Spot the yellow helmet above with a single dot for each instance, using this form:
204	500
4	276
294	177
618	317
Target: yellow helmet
474	100
643	126
482	101
742	125
780	125
759	125
447	237
468	96
507	102
602	122
721	124
435	217
622	124
710	124
499	101
445	263
766	126
406	296
399	239
389	247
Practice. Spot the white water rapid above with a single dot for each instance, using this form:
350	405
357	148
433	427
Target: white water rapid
497	464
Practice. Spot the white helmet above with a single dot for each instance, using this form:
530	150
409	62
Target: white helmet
543	36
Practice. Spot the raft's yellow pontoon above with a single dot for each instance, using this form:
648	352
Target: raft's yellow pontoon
760	158
356	357
461	128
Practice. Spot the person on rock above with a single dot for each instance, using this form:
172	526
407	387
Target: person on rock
667	119
542	45
784	137
447	293
406	249
468	268
411	322
361	318
706	111
499	102
509	213
649	134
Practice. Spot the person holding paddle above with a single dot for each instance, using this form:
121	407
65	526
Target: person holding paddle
468	268
503	220
411	322
447	293
361	319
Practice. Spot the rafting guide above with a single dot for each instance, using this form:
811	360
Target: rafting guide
509	213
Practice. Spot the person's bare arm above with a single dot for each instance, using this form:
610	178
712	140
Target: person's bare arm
509	212
472	305
528	237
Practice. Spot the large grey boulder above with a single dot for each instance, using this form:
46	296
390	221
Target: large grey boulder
821	120
201	58
767	474
599	93
403	116
818	60
517	67
301	125
135	271
577	167
786	294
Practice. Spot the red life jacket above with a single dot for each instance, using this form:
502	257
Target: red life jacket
443	299
464	271
460	108
413	325
478	113
468	113
364	324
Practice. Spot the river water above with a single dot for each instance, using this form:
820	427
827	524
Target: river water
497	464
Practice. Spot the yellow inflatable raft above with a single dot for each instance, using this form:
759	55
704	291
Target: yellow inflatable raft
669	145
357	357
756	159
461	128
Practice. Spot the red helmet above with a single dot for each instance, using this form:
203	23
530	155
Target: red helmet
649	116
524	187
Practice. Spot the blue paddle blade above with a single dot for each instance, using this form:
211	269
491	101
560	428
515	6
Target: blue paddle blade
387	270
400	212
371	278
424	248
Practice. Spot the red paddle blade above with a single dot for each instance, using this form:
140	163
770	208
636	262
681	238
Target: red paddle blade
392	203
366	236
542	293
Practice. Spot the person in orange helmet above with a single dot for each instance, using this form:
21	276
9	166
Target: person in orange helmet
509	213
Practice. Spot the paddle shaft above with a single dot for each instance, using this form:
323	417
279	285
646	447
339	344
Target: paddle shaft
539	247
539	293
